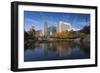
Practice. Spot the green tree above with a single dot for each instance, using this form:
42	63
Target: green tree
86	30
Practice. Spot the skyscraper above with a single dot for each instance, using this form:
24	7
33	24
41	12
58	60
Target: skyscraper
51	30
63	26
45	28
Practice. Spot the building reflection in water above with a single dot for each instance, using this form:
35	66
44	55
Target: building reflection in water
59	50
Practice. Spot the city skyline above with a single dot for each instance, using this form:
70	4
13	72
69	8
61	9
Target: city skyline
77	21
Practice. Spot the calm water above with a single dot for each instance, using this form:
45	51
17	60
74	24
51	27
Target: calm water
56	51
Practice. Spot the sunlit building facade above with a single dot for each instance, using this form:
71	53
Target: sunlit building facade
63	26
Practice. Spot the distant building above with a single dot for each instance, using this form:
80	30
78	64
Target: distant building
38	33
63	26
45	28
51	30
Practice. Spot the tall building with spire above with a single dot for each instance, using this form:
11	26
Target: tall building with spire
46	28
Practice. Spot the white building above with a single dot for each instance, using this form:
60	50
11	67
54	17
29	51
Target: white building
63	26
45	28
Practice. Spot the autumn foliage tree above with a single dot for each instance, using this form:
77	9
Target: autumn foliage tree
68	35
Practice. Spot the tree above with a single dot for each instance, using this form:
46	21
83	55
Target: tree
86	30
26	36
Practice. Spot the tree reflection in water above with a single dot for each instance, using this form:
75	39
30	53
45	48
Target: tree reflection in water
56	51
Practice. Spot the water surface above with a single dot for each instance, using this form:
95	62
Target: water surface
56	51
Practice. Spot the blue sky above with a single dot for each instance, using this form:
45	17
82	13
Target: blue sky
77	21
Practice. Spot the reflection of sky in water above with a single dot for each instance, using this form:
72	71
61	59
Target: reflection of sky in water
55	51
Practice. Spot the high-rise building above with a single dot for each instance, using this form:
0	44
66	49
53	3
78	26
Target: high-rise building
51	30
45	28
63	26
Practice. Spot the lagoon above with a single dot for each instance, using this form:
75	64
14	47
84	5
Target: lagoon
58	50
